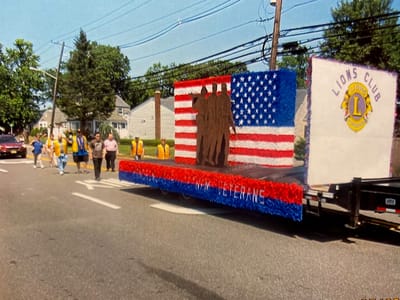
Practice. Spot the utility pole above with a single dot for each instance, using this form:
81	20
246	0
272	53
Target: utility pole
157	112
275	35
55	90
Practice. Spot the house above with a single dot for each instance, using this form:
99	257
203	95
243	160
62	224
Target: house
118	119
300	119
142	119
60	121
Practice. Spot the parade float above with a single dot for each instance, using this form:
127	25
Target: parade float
234	142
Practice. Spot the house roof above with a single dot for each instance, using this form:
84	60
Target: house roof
59	116
168	103
119	102
115	117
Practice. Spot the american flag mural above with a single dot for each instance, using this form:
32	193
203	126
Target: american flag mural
263	108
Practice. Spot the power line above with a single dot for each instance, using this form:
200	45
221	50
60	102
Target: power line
209	12
68	34
150	21
195	41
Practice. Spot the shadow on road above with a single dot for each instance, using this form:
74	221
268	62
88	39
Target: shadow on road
329	226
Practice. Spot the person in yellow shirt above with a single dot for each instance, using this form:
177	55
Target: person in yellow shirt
60	151
162	151
50	150
137	148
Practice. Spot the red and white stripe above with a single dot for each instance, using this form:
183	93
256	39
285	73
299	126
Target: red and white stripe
387	210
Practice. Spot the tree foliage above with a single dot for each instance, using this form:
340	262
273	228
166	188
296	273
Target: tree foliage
296	58
162	78
365	33
92	77
19	86
105	129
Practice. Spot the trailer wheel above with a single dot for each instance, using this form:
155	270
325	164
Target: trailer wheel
185	197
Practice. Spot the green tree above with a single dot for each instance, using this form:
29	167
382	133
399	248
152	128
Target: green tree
105	129
162	78
20	87
364	32
296	58
93	75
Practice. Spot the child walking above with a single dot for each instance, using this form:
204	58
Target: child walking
37	152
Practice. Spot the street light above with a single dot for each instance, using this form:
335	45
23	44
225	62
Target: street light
55	86
44	72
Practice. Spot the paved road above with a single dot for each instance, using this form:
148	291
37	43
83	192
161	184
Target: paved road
69	237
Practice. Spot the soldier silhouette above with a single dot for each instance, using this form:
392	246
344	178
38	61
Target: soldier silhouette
199	103
212	121
224	123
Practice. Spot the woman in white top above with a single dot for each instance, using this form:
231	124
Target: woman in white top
111	147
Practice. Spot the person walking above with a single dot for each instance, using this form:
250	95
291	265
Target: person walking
162	151
37	151
137	148
96	153
111	147
60	151
50	151
80	150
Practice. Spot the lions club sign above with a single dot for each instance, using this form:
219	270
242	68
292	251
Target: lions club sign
351	122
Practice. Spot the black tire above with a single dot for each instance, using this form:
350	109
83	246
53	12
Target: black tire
185	197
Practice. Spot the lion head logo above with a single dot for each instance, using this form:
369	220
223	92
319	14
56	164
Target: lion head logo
356	105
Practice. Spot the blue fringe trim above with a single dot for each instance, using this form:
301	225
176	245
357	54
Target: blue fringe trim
229	198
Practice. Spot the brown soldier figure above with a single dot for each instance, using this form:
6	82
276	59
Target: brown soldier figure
199	103
225	121
212	121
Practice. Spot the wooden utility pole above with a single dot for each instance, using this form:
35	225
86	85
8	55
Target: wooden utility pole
55	90
275	35
157	106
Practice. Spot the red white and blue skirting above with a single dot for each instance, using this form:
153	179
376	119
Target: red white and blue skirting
275	198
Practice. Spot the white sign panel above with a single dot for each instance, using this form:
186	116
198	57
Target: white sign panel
351	122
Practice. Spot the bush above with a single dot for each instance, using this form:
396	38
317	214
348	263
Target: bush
105	129
150	143
300	149
41	131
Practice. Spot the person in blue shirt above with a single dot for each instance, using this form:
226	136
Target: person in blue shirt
37	151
